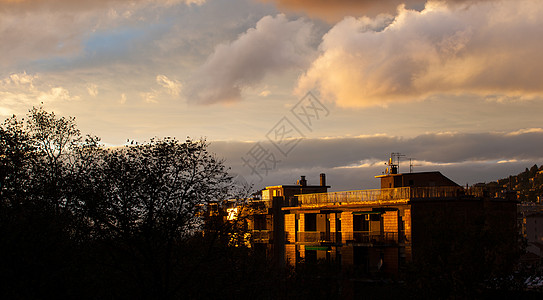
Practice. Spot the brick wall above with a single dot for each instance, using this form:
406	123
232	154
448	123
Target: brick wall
290	223
390	221
290	254
346	226
407	231
332	223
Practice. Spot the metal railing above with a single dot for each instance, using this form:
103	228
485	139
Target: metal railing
371	237
380	195
260	203
261	236
318	236
350	237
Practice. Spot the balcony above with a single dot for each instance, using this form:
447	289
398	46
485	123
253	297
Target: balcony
380	196
365	237
319	237
262	236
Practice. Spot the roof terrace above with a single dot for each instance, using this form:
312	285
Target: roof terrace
384	196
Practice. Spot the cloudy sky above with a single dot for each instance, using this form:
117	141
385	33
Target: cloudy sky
282	88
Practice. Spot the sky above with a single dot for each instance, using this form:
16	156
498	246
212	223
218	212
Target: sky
283	88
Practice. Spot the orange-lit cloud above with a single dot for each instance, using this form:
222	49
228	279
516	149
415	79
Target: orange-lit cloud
490	49
333	11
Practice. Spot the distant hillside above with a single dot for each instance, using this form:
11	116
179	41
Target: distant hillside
528	184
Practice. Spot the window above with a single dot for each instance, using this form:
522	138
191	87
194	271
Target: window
361	222
310	222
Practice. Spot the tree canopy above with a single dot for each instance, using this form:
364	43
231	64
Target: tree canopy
79	219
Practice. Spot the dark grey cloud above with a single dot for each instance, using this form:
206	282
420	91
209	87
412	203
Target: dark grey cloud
470	157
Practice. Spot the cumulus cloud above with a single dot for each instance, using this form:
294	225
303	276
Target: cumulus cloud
92	89
491	49
19	91
172	86
19	79
149	97
56	94
273	46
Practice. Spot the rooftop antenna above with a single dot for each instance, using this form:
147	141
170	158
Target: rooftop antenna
398	156
394	163
411	165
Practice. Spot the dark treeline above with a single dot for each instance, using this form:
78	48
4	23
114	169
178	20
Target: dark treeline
78	220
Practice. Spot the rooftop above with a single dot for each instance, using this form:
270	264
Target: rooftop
385	196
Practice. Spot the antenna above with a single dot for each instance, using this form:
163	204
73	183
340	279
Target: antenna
411	165
394	163
398	156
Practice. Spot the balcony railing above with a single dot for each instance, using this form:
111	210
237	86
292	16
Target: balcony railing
371	237
262	236
319	237
379	195
364	237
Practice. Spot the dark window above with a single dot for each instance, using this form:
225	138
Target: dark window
310	256
260	222
310	222
411	182
361	223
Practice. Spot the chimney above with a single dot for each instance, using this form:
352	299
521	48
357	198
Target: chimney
323	179
302	181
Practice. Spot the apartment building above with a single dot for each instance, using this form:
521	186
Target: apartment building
422	218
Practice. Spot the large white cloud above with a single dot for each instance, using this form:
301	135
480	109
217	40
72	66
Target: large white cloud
490	49
273	46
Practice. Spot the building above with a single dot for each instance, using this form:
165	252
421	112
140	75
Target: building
422	219
419	218
265	217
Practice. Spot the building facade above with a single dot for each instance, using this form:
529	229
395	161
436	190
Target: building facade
421	218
